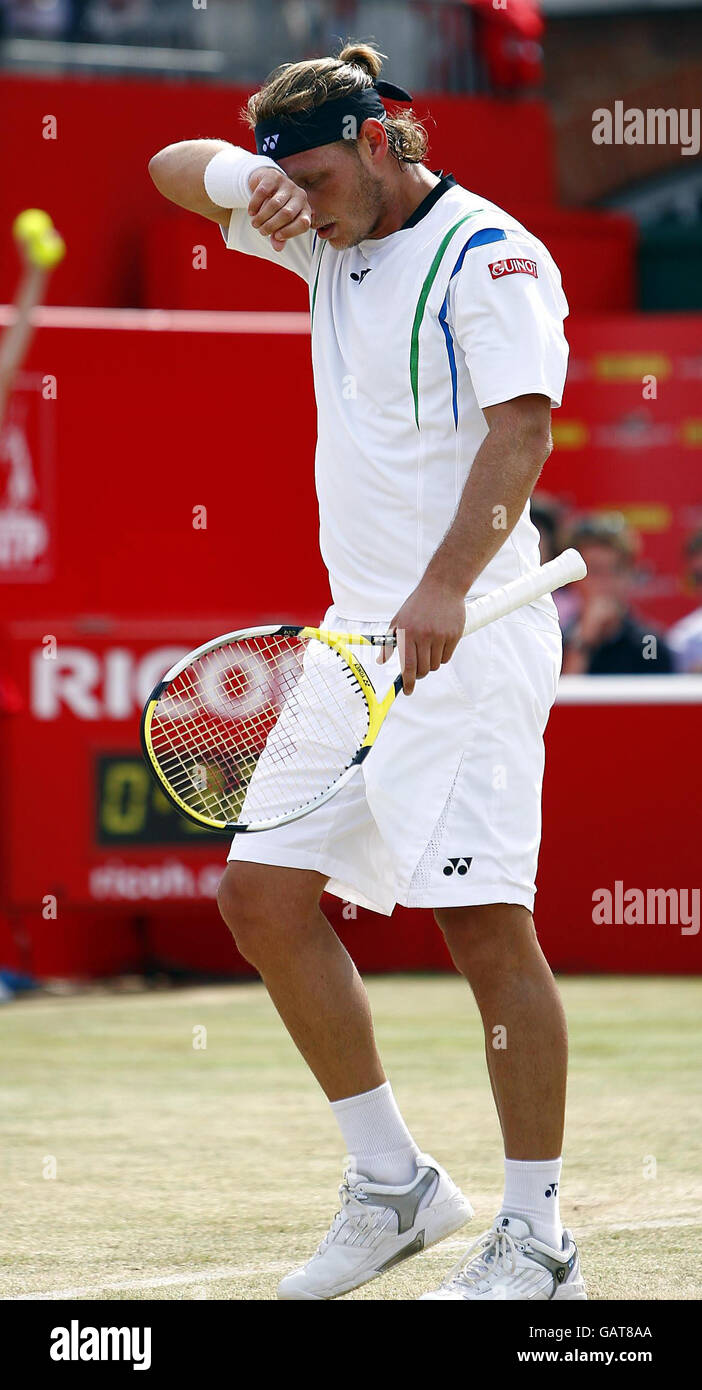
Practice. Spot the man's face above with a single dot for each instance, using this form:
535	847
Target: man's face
608	574
696	568
347	199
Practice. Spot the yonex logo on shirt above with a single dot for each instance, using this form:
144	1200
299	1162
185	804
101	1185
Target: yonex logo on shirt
356	275
270	143
513	266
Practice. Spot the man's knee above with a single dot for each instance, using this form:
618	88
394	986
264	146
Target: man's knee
485	935
237	905
263	905
234	896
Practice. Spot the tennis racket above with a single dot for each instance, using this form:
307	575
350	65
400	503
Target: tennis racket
262	726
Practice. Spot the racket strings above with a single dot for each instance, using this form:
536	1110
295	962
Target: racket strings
258	728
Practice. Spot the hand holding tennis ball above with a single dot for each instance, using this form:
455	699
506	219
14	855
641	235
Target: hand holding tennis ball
38	239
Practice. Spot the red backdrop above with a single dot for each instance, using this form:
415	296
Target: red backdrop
127	247
139	434
149	425
93	177
629	437
122	433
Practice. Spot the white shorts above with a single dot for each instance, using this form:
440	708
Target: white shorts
446	809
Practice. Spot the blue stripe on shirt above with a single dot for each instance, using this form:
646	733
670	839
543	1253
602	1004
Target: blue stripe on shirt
481	238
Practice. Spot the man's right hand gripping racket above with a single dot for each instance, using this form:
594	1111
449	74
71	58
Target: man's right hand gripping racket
262	726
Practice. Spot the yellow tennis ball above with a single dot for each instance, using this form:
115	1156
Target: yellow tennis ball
42	243
31	223
48	250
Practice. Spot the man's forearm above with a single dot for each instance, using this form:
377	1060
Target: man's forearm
503	476
178	172
18	335
206	176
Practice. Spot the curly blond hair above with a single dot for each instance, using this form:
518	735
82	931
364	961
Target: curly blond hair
300	86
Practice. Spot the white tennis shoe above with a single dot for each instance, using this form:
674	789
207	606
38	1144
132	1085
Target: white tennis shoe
377	1227
508	1262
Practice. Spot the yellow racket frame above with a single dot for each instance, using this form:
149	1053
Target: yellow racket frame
340	642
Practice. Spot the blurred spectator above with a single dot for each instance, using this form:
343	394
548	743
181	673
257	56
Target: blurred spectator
76	31
102	21
36	19
507	44
685	638
606	638
547	516
117	21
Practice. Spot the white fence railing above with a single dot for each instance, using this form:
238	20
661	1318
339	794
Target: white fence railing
630	690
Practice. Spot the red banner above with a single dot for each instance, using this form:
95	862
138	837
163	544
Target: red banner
27	462
92	840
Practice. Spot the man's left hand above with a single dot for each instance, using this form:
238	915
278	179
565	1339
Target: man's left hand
428	626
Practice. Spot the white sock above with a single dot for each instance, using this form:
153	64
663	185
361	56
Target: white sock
379	1143
531	1190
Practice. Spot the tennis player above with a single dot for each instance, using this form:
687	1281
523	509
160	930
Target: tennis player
438	353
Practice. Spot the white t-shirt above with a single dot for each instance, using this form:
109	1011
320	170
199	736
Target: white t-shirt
405	357
685	641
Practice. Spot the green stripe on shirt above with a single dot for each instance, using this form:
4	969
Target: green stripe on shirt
421	306
316	278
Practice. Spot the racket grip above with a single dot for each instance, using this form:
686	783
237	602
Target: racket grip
553	575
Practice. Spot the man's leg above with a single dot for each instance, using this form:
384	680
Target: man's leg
496	949
274	916
526	1254
393	1206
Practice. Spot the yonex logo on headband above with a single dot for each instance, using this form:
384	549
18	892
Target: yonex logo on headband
339	118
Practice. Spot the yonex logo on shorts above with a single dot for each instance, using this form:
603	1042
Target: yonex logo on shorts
513	266
270	143
457	866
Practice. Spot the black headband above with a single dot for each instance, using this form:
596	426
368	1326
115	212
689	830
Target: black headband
340	119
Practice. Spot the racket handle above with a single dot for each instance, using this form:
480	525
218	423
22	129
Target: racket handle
553	575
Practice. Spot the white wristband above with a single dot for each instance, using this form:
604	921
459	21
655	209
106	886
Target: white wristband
227	176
